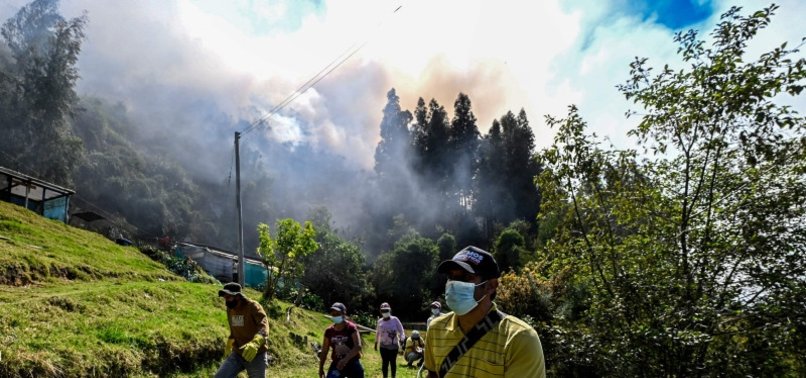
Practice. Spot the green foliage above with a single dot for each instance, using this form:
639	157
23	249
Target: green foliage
394	144
405	276
144	194
38	95
509	246
530	293
463	145
183	267
505	185
284	253
687	260
335	272
447	246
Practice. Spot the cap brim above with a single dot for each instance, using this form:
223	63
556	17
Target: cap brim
449	265
336	309
223	292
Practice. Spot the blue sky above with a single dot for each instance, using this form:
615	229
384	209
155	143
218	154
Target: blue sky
673	14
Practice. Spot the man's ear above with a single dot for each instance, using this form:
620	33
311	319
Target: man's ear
490	285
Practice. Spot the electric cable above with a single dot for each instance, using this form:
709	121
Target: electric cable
324	72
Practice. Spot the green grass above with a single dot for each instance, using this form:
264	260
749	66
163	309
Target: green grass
72	304
38	250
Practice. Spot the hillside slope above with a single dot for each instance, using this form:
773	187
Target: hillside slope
74	304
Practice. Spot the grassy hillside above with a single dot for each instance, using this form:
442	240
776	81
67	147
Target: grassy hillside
74	304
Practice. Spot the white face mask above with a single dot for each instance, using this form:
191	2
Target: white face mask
386	315
460	296
337	319
435	311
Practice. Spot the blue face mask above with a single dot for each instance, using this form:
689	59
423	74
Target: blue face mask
337	319
460	296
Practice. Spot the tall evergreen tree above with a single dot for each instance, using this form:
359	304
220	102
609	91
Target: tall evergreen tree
431	138
419	128
507	168
38	91
489	183
392	167
463	147
523	168
393	149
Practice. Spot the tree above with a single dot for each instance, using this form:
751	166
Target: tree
335	272
404	276
490	193
734	149
509	246
431	133
507	168
391	155
463	145
38	91
283	254
447	246
688	257
393	182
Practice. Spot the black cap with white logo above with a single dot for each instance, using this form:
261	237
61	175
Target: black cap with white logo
472	260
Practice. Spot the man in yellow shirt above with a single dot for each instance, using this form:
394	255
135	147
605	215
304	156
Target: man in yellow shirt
508	347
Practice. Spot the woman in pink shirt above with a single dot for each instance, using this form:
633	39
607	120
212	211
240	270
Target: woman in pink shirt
388	334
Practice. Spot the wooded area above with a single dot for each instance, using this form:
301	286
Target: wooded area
682	257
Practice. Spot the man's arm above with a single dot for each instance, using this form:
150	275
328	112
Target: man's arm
400	331
323	355
260	318
353	352
377	333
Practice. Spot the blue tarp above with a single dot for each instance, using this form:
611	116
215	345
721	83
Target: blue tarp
56	209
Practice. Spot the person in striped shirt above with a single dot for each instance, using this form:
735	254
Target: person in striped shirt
510	347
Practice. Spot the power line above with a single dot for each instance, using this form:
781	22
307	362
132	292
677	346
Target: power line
324	72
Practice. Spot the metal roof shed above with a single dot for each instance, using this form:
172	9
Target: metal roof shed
47	199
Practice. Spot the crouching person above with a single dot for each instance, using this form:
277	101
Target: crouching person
414	349
249	329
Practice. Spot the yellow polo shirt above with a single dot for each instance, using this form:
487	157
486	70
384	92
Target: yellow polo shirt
512	349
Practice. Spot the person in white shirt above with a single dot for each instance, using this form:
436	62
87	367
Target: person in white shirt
436	310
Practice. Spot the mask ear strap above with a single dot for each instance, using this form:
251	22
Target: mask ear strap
482	298
480	285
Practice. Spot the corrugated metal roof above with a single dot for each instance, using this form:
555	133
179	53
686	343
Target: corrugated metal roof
36	189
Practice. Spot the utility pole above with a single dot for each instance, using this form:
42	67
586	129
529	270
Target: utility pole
238	203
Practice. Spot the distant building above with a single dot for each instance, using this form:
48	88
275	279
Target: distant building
223	264
49	200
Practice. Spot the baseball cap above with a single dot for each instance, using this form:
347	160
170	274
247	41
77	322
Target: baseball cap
472	260
340	307
436	304
385	306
